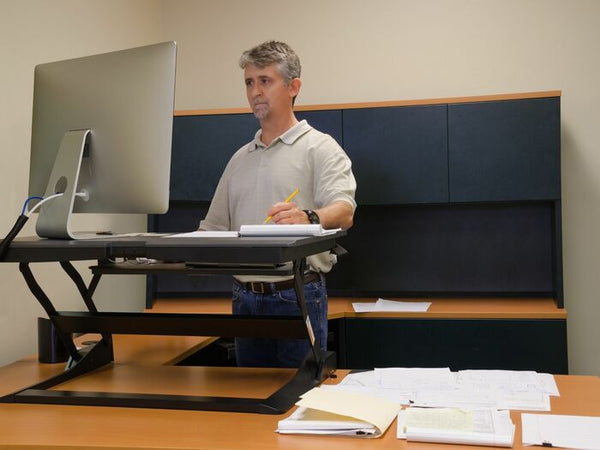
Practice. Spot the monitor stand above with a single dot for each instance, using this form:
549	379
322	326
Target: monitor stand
55	215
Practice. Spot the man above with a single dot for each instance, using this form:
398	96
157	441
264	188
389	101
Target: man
285	154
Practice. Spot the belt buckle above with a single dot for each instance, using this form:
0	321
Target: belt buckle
254	285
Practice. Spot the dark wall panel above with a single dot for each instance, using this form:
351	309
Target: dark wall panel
451	249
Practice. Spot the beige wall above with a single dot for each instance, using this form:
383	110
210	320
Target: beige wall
32	32
352	51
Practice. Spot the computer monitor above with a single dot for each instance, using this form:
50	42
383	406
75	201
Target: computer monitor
101	135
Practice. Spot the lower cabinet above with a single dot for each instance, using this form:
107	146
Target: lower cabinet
515	344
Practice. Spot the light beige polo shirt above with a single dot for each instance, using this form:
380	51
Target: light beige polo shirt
258	176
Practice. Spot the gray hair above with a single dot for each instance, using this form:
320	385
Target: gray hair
273	52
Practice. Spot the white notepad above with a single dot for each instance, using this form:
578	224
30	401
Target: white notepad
286	230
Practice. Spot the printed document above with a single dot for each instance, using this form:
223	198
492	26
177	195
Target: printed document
456	426
439	387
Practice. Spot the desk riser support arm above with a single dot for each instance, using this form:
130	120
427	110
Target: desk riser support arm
45	302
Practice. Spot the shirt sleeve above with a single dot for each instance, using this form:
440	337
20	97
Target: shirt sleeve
334	180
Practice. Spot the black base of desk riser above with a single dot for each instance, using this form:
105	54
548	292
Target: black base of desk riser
307	377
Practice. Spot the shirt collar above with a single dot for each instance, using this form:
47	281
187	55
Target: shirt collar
288	138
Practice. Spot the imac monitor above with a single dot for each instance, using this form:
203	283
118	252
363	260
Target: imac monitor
101	135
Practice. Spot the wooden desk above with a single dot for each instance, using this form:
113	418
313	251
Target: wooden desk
60	427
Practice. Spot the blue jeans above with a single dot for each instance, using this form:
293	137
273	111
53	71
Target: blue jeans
280	352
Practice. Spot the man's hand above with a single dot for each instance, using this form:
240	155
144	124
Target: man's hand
336	215
287	213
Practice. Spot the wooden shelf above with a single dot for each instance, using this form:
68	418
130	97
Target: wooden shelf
446	308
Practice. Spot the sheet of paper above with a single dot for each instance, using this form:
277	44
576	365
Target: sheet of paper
580	432
400	396
416	377
382	305
206	234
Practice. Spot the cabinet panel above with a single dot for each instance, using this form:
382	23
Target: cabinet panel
202	146
506	150
328	121
527	344
399	154
469	249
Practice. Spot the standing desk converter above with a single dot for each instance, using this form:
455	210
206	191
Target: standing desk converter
243	255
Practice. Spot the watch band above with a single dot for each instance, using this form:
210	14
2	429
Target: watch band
313	217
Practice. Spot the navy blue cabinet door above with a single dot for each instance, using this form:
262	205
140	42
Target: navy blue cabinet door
504	150
202	146
399	154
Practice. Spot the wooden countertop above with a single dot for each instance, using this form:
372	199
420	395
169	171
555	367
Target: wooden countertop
441	308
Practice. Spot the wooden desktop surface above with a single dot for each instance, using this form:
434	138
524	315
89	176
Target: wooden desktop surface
144	364
59	426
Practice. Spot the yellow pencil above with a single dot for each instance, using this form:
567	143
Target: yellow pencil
287	200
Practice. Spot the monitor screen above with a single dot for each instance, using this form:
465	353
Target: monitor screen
102	128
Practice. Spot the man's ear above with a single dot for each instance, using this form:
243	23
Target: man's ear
294	87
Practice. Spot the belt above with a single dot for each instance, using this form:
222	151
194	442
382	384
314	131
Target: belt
260	287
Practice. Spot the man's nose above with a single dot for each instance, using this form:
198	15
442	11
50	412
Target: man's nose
255	90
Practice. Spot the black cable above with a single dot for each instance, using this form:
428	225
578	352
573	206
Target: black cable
12	234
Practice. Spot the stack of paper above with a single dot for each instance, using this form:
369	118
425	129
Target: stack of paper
331	412
439	387
457	426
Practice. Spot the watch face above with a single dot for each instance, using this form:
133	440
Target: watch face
312	216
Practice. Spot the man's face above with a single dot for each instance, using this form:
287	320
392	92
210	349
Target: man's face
267	92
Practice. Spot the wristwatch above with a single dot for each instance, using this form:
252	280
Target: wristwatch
312	216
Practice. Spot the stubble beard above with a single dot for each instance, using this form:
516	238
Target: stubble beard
261	110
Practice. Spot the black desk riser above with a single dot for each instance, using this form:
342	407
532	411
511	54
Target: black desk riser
259	255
